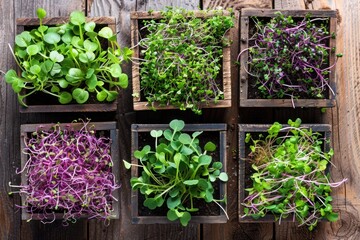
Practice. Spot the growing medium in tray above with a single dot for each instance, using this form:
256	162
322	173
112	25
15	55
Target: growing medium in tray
181	58
289	57
290	175
177	173
69	62
68	173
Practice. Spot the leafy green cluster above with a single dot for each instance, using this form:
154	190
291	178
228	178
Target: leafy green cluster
68	61
177	172
290	176
190	49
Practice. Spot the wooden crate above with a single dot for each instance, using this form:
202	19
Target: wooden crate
245	101
142	104
138	129
325	129
30	23
108	128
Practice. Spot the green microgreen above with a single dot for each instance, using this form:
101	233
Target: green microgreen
190	49
68	61
290	175
176	172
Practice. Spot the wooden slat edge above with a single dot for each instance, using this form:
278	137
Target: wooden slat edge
158	15
246	12
61	20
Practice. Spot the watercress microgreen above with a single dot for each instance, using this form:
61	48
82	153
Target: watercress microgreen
176	172
290	175
68	61
190	49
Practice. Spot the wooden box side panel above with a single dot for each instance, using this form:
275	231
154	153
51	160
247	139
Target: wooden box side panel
141	128
141	104
245	101
25	129
262	128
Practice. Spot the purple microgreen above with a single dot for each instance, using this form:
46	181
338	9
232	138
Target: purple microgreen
68	172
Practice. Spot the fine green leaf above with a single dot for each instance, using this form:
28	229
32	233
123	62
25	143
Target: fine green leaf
223	177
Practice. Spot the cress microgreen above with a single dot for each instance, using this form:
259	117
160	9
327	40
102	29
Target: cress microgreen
68	171
176	172
290	175
190	53
68	61
289	57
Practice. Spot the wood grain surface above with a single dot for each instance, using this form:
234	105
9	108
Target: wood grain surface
344	119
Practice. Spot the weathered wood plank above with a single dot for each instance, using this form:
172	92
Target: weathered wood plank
9	122
346	120
161	5
237	5
289	4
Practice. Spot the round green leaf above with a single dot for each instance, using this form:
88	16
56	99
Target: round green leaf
89	26
77	18
91	82
115	70
156	133
47	66
65	97
63	83
10	75
204	160
41	13
112	95
185	138
210	147
223	177
80	95
184	220
173	202
56	69
106	32
123	80
90	46
101	96
32	50
55	56
151	203
171	215
35	69
177	125
52	38
20	41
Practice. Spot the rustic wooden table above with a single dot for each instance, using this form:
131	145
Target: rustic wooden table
344	119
